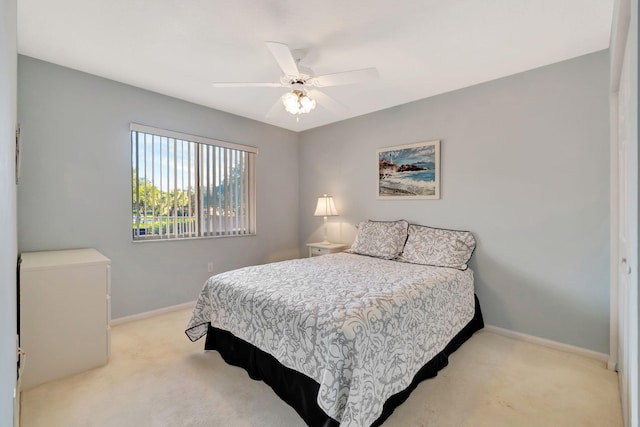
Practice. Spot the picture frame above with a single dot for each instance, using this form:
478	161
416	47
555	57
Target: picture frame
410	171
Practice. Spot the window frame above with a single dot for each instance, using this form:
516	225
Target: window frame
248	204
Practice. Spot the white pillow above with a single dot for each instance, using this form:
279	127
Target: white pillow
380	239
438	247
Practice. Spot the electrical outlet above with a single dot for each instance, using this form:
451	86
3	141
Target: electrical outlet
210	267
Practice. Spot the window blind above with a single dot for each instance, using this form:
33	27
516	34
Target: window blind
187	186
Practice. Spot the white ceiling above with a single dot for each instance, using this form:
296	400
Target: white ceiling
420	47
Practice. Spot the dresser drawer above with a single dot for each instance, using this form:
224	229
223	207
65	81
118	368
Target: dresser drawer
317	249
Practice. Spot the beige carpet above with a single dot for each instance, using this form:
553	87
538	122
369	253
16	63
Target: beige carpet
157	377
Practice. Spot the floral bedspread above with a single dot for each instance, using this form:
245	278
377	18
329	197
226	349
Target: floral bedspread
361	327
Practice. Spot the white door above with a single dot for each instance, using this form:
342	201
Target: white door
623	252
627	209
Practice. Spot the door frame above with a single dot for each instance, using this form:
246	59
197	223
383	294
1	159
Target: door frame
624	31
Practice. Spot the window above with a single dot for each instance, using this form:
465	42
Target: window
186	186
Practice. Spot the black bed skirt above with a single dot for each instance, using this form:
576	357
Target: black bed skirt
300	391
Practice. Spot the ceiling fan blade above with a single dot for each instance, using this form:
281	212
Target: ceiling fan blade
284	58
275	108
248	84
344	78
328	102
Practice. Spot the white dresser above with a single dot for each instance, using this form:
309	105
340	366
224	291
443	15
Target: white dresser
65	311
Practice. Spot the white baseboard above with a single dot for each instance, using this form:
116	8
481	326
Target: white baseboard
152	313
602	357
551	344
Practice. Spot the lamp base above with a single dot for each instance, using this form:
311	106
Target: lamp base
325	231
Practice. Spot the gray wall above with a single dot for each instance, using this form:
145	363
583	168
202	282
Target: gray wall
8	245
76	181
524	166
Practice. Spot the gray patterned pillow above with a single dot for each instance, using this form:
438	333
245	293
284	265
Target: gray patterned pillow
380	239
438	247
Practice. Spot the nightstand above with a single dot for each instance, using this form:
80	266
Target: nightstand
317	249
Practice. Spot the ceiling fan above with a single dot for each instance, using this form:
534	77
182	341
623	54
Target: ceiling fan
303	83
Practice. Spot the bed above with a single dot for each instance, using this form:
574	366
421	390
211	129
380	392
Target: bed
344	338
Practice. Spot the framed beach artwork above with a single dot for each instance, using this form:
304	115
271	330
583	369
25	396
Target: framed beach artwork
409	171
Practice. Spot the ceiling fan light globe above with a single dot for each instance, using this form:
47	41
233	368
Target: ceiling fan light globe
306	104
298	102
290	100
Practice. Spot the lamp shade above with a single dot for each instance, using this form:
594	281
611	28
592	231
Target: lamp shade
325	207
